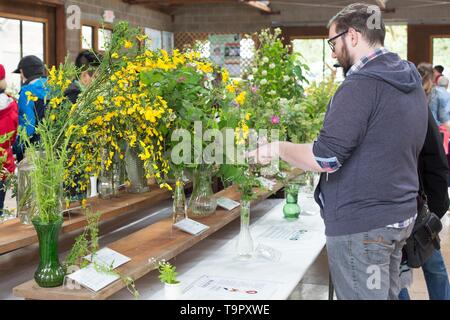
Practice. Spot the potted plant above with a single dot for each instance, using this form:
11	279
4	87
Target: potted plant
168	276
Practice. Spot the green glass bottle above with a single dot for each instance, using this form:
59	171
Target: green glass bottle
291	209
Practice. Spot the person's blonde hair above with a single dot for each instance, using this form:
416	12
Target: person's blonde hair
3	84
426	71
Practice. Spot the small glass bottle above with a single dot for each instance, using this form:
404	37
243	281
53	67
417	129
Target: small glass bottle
291	209
244	246
179	202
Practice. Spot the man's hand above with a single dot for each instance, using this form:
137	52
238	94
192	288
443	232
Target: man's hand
264	154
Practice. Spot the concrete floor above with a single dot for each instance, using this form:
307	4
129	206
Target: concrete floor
313	286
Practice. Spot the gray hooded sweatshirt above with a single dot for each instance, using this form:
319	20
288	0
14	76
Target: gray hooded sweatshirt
373	132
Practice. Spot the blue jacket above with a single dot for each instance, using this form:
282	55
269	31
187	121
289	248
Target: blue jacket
439	103
27	109
373	132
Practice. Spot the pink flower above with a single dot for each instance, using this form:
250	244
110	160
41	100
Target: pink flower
275	119
254	89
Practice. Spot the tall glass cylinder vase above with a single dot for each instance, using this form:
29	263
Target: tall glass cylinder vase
244	246
134	167
202	202
49	273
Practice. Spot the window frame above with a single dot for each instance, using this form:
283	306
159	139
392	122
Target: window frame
96	27
46	35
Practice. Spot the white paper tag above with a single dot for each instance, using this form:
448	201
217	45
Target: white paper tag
191	226
108	257
90	278
227	203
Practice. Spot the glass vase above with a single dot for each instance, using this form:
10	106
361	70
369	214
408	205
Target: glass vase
109	182
24	191
179	202
49	273
202	202
134	167
291	209
244	246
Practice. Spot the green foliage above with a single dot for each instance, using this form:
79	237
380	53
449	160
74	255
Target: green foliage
86	243
304	120
167	273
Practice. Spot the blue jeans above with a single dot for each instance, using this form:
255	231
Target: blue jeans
436	278
365	266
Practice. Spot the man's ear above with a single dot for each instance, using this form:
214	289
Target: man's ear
354	36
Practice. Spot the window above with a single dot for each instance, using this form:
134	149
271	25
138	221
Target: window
317	55
20	38
95	37
397	40
87	37
441	52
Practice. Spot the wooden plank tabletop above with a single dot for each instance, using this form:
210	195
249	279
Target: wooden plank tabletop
158	240
15	235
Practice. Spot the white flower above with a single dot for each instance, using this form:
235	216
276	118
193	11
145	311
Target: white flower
272	92
265	59
255	70
286	78
263	82
272	65
250	77
283	101
264	73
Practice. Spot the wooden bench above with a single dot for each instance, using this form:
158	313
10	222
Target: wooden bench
15	235
158	240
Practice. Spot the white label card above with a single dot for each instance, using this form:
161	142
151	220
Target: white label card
191	226
108	257
90	278
227	203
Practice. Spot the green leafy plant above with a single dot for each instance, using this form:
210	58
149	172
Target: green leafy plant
167	273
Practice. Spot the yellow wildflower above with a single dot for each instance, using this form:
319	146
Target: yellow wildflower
115	55
225	75
30	96
240	99
128	44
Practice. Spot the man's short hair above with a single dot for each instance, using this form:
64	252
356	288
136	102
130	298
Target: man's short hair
357	16
88	61
439	68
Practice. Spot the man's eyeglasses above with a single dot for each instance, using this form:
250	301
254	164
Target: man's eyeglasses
331	43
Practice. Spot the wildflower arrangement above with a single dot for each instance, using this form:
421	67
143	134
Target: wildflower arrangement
121	112
276	81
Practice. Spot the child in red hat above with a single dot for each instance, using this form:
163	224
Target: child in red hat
8	123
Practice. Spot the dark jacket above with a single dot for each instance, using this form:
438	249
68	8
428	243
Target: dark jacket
372	135
73	91
433	169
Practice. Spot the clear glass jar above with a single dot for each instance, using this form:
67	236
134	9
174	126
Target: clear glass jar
134	167
202	202
109	182
24	196
244	245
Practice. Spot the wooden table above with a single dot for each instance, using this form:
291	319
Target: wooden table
158	240
15	235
